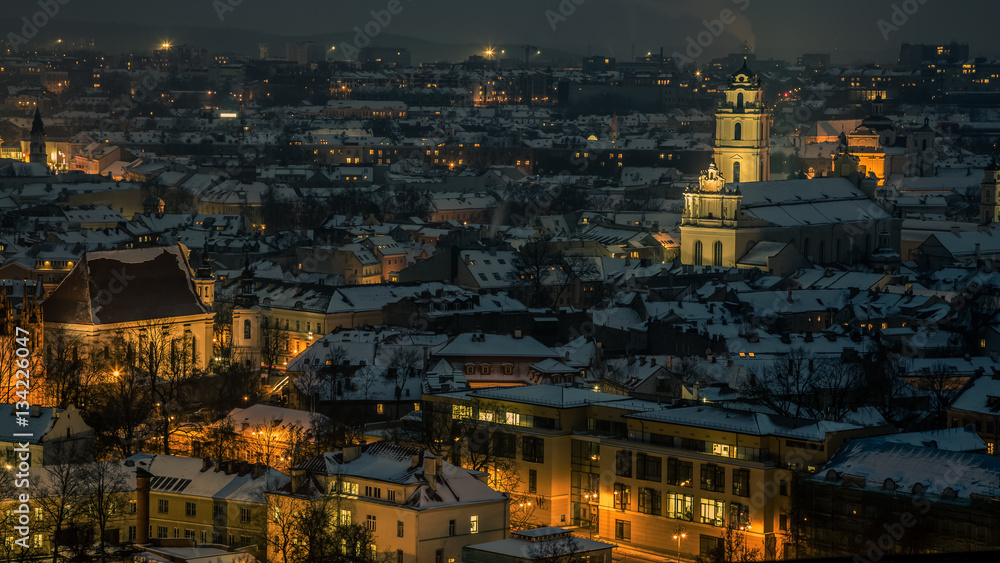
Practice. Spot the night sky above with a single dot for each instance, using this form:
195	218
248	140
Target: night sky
848	29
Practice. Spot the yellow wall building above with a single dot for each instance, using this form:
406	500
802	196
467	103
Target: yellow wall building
635	473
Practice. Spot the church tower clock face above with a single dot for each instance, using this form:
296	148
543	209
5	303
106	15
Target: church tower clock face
742	132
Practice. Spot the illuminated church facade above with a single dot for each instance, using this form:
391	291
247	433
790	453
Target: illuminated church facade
737	217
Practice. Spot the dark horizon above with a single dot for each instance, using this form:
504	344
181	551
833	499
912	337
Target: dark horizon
855	32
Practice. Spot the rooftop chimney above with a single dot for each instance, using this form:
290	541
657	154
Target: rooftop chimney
142	506
351	453
430	471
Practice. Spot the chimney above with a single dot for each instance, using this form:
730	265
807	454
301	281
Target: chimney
670	362
36	411
518	334
227	467
414	461
652	361
298	475
695	391
142	506
206	463
351	453
430	471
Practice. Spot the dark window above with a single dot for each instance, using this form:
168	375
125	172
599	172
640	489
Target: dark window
783	522
439	556
505	445
451	527
399	528
648	467
190	508
649	501
533	449
623	530
738	132
623	493
532	481
713	478
623	463
246	329
741	482
783	488
711	548
679	473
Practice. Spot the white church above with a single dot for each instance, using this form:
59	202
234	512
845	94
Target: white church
738	217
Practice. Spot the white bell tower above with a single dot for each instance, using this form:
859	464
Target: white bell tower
743	130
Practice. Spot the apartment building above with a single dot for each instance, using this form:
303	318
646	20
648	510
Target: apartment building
417	506
638	473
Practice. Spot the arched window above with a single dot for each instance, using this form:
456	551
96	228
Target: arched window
246	329
739	102
736	172
738	132
698	253
717	253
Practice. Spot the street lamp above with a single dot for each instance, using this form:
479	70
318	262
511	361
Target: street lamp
679	535
591	499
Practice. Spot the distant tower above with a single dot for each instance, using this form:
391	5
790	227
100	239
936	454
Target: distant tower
204	281
36	150
989	207
743	130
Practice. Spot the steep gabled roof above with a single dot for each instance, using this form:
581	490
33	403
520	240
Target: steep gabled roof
125	286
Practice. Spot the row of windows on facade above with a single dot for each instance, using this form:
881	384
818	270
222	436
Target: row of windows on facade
485	369
248	327
467	412
191	510
681	473
681	507
582	451
371	523
164	532
820	256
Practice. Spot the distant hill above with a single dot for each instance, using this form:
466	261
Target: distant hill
126	38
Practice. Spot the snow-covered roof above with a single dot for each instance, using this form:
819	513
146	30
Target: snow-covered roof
480	344
936	470
756	424
187	476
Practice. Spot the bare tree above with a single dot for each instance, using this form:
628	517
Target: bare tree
559	550
783	385
402	365
535	266
168	361
104	487
491	448
273	343
573	270
59	491
126	399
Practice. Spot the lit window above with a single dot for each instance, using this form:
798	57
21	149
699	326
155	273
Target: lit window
474	524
